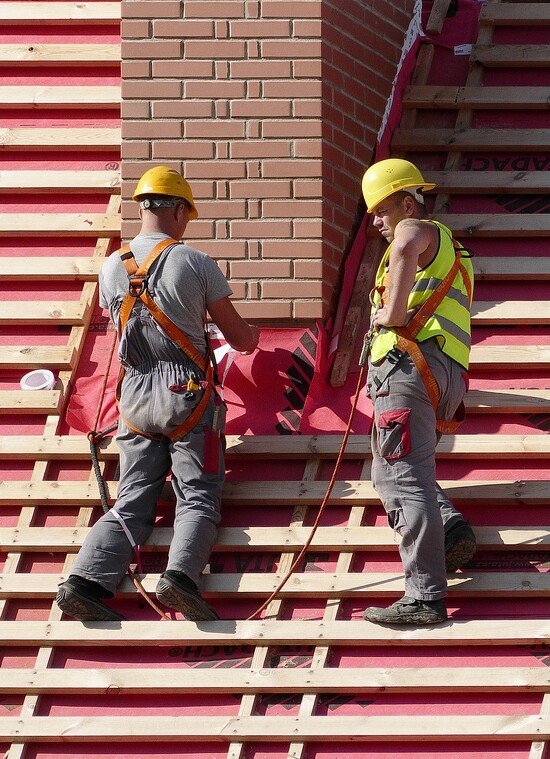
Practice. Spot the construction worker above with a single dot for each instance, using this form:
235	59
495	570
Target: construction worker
419	354
157	291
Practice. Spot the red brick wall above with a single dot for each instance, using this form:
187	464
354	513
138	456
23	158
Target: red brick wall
271	109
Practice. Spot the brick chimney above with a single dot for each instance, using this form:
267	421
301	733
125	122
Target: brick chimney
270	108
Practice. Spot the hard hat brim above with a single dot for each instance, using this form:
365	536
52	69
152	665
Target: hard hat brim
426	186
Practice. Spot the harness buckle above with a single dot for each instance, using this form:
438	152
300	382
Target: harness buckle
137	284
394	356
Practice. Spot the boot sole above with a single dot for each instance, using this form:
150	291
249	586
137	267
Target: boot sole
459	555
85	609
404	619
193	607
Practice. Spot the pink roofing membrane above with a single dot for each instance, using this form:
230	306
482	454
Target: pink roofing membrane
284	389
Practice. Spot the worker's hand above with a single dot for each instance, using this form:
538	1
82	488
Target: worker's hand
384	317
380	318
256	335
240	335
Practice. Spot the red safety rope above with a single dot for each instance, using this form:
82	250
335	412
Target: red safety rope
94	436
324	501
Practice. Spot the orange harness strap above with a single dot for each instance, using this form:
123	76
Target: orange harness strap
137	289
407	342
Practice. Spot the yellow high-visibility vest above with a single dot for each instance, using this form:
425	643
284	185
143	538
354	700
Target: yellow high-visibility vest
450	323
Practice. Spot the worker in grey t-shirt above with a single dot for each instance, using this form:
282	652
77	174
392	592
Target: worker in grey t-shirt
161	388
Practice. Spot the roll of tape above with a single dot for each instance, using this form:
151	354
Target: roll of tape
39	379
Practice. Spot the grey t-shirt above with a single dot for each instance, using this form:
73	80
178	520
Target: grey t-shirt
183	281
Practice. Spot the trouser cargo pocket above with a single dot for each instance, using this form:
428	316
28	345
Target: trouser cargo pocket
394	436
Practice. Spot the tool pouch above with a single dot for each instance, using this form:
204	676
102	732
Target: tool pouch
147	402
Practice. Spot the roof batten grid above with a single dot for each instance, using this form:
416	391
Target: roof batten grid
59	186
340	649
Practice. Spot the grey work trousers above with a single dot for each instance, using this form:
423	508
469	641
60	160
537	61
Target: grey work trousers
198	472
404	439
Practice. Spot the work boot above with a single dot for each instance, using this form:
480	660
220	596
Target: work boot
81	599
179	592
460	546
408	611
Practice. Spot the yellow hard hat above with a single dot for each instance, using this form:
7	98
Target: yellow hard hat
384	178
164	181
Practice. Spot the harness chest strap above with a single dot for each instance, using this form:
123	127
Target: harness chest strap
429	307
137	289
407	343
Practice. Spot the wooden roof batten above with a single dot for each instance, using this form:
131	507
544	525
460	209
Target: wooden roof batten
344	680
60	138
54	12
500	728
73	181
59	54
281	539
274	632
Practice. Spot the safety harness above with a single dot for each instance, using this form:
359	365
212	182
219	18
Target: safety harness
138	290
407	343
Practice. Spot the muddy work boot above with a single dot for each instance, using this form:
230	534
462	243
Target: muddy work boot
81	599
460	546
408	611
177	591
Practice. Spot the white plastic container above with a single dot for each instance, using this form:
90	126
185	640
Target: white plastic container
39	379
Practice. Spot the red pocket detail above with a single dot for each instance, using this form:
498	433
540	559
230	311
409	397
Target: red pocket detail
394	433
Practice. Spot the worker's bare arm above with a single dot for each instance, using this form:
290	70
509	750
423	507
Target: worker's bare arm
238	333
412	242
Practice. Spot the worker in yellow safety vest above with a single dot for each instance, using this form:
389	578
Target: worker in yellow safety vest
157	291
417	377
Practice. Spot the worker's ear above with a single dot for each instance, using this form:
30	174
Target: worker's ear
409	204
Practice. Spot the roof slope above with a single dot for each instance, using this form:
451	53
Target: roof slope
307	676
